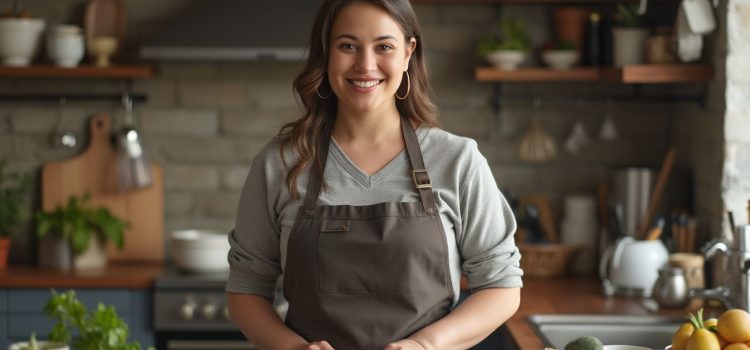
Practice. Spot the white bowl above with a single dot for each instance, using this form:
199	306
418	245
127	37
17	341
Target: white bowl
560	59
200	251
506	59
19	40
625	347
40	345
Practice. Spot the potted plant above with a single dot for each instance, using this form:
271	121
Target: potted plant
81	234
509	51
628	36
560	55
34	344
13	188
101	329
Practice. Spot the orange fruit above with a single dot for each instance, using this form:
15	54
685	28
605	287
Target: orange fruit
737	346
734	326
710	322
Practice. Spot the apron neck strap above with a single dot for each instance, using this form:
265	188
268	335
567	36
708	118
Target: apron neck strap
314	181
418	172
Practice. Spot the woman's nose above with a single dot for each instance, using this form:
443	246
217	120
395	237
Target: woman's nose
365	61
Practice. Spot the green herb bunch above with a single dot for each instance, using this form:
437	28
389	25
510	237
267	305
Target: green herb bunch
102	329
13	188
627	15
76	223
513	36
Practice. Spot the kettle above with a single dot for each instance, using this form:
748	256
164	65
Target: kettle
631	267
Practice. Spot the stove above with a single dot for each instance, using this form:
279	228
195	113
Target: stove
190	312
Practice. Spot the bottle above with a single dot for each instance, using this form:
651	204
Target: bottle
592	53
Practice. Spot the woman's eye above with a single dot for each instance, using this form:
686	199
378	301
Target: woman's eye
385	47
348	46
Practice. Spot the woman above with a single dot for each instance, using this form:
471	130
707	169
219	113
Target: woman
371	222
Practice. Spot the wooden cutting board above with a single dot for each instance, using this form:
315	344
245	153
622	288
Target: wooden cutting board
94	172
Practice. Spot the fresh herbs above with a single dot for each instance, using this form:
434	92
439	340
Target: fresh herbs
102	329
13	188
627	15
76	223
513	36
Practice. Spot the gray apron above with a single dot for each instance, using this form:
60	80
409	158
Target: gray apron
361	277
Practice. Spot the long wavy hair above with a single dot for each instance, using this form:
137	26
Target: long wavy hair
311	86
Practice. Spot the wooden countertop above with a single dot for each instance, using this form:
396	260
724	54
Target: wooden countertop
114	276
571	296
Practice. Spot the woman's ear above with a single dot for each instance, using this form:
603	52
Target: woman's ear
411	45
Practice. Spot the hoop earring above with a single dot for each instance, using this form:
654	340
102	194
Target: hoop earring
408	87
317	90
321	96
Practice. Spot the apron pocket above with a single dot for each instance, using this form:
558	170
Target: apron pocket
380	255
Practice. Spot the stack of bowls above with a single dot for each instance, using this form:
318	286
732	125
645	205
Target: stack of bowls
65	45
19	40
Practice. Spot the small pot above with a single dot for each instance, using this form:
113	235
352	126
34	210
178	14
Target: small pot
506	59
200	251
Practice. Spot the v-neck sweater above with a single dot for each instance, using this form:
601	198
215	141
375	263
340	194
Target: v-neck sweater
478	222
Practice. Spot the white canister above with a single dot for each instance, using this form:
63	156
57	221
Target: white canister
19	40
579	227
65	46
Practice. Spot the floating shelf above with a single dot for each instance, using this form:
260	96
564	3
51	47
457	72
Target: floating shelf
632	74
86	71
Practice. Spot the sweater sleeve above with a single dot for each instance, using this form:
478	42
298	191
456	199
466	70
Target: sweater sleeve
490	256
254	255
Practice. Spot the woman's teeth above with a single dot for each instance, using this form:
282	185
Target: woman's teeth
366	84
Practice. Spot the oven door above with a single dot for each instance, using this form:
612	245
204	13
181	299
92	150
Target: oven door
202	341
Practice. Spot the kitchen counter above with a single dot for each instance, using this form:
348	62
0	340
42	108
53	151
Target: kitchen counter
572	296
135	276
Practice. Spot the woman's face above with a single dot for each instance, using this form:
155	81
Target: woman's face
367	59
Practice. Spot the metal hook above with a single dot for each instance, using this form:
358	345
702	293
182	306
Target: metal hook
127	101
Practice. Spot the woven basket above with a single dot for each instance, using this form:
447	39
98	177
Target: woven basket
546	260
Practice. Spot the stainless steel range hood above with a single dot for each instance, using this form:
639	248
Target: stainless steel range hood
236	30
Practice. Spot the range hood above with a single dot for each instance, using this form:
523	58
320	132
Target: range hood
236	30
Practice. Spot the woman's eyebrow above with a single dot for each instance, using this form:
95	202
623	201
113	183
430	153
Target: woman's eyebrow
352	37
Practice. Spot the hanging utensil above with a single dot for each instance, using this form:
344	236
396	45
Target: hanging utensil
134	171
608	131
62	137
578	137
536	145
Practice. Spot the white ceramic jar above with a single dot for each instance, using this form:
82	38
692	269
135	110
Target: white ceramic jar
19	40
65	45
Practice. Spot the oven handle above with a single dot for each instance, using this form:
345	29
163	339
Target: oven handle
209	344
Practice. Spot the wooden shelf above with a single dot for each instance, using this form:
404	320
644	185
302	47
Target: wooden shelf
633	74
87	71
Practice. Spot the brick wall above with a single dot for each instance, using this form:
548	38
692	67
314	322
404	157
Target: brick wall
204	122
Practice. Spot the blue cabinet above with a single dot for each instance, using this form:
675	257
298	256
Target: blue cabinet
22	311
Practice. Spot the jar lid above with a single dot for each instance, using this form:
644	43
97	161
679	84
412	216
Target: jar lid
66	29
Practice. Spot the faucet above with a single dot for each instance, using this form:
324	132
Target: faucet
735	293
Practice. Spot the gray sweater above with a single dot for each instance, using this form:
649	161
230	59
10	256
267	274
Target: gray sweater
478	222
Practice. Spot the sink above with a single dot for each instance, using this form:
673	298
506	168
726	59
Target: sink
653	332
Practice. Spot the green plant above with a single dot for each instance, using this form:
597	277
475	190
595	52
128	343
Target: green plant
102	329
13	188
627	15
76	223
513	36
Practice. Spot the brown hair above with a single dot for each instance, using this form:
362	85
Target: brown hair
320	103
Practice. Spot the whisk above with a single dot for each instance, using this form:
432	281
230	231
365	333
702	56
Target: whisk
536	145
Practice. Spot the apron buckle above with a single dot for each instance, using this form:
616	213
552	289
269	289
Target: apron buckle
421	179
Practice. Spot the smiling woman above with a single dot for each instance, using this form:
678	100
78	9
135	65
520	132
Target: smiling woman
371	244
